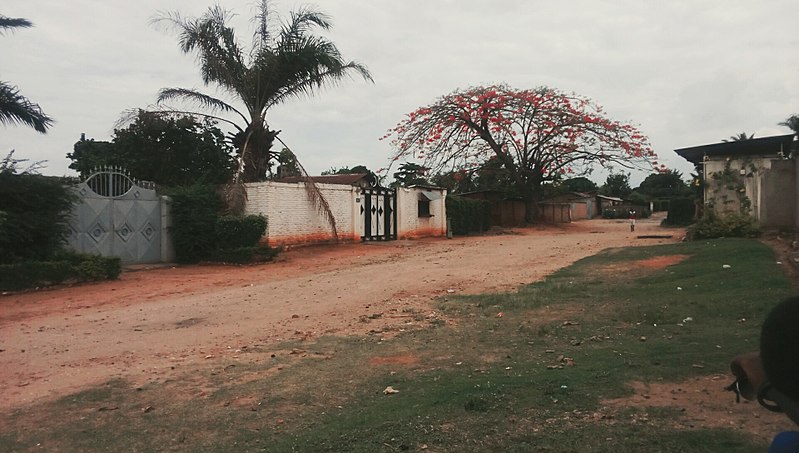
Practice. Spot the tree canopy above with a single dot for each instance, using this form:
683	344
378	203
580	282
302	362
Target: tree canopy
347	170
616	185
579	184
537	135
410	174
14	107
169	151
664	184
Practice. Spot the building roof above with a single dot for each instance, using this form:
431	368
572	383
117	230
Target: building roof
755	147
570	196
606	197
350	179
425	187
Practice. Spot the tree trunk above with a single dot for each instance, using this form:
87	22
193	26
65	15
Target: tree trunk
531	213
257	153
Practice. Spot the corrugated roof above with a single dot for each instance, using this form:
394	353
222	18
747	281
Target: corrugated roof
605	197
754	147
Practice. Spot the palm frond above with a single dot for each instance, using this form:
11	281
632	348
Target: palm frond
128	116
313	193
298	67
11	23
302	21
17	109
198	98
218	52
305	84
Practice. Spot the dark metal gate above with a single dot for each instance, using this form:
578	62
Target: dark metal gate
379	210
117	216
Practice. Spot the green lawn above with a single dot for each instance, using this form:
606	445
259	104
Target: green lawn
525	371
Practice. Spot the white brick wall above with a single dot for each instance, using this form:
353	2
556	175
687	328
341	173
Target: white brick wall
408	220
292	217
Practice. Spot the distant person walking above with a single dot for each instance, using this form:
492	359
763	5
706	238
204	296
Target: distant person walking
632	220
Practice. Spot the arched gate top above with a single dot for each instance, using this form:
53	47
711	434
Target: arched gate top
114	182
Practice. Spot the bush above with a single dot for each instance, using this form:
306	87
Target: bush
244	255
194	215
732	224
681	211
467	215
34	216
96	267
199	233
233	232
65	266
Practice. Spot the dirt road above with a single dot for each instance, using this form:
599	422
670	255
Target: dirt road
157	323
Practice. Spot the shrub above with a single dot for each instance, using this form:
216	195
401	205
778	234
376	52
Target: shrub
466	215
34	216
244	255
681	211
64	266
194	214
200	233
731	224
233	232
95	267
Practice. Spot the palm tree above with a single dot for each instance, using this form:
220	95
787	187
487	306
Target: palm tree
792	123
739	138
14	107
282	64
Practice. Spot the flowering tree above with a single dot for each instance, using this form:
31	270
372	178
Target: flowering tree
538	135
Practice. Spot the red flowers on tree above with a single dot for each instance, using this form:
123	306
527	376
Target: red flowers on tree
538	135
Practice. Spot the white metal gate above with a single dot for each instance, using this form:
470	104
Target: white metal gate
116	216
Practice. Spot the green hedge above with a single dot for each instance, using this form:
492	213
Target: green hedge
244	255
732	224
194	211
467	215
233	232
34	215
200	233
63	267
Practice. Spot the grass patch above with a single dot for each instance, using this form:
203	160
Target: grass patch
523	371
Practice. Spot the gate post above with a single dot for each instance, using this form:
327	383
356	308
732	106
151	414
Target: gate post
367	219
167	247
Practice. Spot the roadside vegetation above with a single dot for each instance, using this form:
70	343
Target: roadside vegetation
34	222
534	370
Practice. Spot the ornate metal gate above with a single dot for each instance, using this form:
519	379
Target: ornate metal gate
379	210
117	216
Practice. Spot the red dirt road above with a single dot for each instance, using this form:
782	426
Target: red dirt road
160	322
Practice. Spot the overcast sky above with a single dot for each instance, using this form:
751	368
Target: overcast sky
686	72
